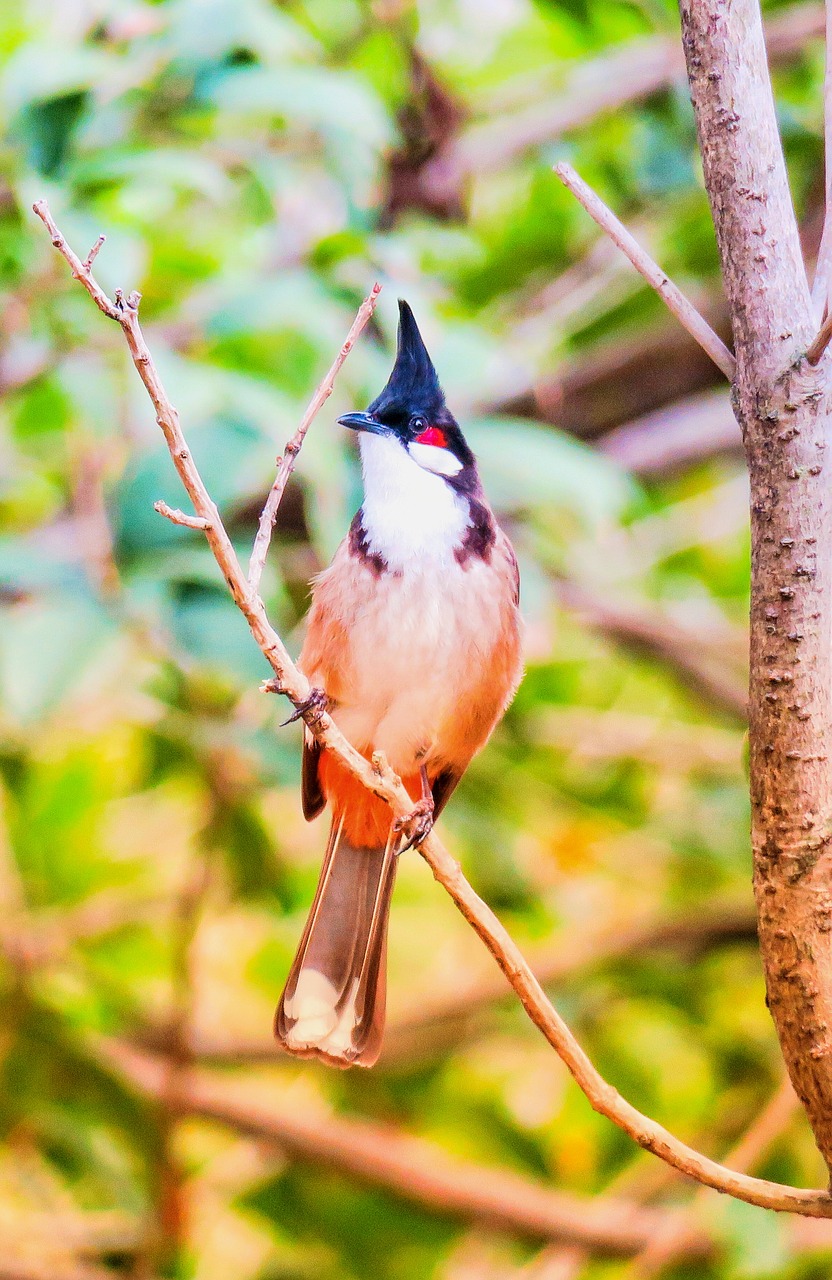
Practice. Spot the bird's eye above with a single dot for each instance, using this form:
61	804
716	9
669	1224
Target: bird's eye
417	425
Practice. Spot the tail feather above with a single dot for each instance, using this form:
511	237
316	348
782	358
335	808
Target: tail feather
333	1004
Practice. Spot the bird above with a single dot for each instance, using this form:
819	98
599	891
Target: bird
413	645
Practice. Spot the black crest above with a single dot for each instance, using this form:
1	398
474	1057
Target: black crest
413	383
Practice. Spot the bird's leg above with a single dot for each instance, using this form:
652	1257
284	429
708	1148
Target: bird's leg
417	824
316	703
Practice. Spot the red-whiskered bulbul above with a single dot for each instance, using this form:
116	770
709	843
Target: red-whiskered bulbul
413	642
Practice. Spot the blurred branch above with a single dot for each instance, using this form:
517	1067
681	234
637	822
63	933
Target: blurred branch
171	1201
91	521
652	634
413	1168
682	308
31	939
662	742
606	83
680	433
286	464
448	1017
377	776
28	1269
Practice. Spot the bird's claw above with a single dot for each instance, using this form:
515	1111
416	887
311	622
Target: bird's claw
416	825
316	702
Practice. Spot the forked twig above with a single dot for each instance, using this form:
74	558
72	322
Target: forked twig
682	308
286	464
380	779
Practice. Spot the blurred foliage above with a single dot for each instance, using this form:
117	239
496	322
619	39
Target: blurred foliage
255	166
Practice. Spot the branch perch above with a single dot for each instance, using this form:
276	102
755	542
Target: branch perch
380	779
682	308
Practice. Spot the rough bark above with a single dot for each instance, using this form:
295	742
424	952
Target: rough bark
783	407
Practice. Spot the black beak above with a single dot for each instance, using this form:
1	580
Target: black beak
363	422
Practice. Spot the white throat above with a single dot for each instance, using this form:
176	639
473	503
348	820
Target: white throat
410	515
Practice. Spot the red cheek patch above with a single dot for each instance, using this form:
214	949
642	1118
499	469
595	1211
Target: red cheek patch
435	436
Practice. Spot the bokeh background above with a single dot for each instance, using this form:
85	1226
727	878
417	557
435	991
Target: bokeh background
255	166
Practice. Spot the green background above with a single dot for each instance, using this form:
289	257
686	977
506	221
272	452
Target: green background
255	166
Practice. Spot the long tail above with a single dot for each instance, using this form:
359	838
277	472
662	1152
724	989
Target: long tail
332	1006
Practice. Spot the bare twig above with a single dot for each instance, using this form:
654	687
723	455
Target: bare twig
80	270
286	464
819	344
823	268
93	253
378	778
682	308
178	517
673	1243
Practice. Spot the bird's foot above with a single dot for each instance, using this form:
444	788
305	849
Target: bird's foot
317	702
417	825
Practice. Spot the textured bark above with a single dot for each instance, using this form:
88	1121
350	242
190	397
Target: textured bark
783	407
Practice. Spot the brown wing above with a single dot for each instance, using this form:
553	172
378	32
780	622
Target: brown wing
442	788
312	797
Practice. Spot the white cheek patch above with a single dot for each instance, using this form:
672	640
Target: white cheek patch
433	458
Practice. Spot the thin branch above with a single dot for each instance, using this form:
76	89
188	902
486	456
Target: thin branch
673	1244
80	270
823	268
682	308
413	1168
178	517
598	86
377	776
821	342
286	464
93	253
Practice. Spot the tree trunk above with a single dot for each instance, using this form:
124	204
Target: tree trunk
783	407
